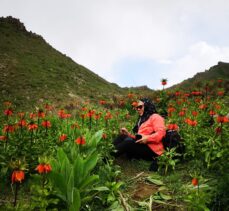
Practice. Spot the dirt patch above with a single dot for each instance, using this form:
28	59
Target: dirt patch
134	174
143	191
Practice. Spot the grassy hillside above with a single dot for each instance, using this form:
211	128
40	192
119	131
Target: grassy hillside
219	71
32	71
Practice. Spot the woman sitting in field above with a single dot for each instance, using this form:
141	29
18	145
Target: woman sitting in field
149	131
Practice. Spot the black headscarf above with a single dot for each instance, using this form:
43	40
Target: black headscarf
149	109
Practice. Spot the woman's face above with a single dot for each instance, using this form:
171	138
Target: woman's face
140	108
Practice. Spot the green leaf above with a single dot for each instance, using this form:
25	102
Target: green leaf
78	171
59	181
159	201
155	181
90	163
75	206
97	136
117	185
88	181
70	187
165	197
101	188
162	188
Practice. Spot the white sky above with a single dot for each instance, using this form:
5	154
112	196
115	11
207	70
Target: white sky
131	42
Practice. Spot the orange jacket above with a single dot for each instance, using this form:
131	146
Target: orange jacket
154	129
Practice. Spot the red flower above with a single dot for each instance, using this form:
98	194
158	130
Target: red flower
75	125
63	137
41	114
21	114
32	116
90	113
222	119
102	102
3	138
47	168
108	115
7	103
197	100
121	103
83	116
8	112
17	176
43	168
218	130
8	129
172	127
130	95
190	122
40	168
181	113
194	113
22	123
202	106
97	116
134	104
186	94
48	107
104	136
220	93
220	80
171	109
83	108
195	181
46	124
212	113
217	106
61	113
32	126
80	141
164	82
196	93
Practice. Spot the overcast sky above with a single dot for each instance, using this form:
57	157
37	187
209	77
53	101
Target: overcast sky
131	42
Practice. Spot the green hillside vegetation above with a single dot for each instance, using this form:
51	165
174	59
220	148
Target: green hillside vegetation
219	71
33	71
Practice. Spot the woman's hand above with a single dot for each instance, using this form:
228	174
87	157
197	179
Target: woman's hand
143	140
124	131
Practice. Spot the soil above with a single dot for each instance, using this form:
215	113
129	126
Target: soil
137	188
143	191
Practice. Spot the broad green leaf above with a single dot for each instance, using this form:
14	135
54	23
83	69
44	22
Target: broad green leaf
162	188
78	171
90	163
65	167
155	181
90	180
96	137
165	197
70	187
59	181
75	206
117	185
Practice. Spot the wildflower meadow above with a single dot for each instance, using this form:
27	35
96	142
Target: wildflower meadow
61	159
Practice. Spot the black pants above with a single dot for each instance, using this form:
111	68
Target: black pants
127	145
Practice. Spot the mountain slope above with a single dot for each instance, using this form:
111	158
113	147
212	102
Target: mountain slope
33	71
219	71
